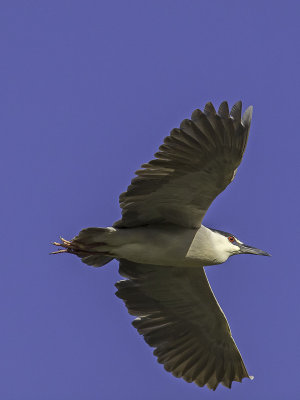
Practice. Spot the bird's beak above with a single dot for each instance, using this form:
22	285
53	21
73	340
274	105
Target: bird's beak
245	249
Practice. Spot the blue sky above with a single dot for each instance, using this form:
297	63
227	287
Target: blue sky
88	90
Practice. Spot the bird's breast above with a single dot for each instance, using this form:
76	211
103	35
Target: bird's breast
167	245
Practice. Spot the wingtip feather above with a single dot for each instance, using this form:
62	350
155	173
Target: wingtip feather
247	116
236	111
223	110
209	108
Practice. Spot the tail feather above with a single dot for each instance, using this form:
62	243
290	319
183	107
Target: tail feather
97	260
91	245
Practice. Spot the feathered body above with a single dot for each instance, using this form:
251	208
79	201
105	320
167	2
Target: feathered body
159	245
162	246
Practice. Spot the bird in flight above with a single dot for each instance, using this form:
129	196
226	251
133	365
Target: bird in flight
162	246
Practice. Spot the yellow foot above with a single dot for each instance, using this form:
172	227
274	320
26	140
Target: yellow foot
68	247
77	247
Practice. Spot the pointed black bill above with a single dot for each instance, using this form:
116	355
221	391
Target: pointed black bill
245	249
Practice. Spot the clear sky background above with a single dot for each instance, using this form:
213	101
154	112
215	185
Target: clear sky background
88	90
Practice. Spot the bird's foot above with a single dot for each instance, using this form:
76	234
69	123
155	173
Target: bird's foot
67	247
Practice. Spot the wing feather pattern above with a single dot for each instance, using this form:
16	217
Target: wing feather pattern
179	316
192	167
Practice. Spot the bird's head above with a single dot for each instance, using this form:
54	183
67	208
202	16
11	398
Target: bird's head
230	245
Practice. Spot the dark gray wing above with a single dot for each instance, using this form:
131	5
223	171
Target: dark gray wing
179	316
193	166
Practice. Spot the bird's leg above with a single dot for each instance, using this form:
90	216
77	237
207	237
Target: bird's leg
77	247
68	247
73	246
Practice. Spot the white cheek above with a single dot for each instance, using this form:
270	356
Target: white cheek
236	249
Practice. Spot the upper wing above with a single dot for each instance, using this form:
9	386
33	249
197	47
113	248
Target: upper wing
193	166
179	315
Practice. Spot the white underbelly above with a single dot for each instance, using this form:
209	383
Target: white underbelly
169	246
154	255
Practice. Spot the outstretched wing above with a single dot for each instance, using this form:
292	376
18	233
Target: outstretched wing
179	316
193	166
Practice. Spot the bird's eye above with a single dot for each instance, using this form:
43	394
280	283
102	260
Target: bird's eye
231	239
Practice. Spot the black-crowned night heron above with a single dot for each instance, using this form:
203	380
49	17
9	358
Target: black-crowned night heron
162	246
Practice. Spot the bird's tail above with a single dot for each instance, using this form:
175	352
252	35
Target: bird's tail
91	245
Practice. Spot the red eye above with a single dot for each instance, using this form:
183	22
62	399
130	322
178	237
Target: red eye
231	239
